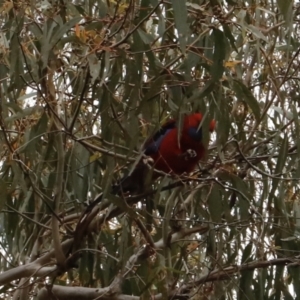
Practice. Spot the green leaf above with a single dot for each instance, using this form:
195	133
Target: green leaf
190	61
246	258
180	16
146	7
220	48
245	290
204	92
257	32
50	40
78	8
26	112
243	194
3	193
147	38
282	156
168	213
294	273
224	121
229	36
296	140
63	29
215	204
161	23
285	7
244	94
94	66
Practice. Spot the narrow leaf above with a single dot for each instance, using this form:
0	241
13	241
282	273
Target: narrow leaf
180	15
217	68
215	204
3	193
285	7
244	94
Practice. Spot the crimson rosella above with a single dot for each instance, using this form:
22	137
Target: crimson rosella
172	149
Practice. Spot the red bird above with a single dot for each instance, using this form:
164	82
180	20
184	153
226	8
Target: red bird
171	151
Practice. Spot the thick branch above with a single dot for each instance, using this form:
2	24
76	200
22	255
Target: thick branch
80	293
37	268
228	272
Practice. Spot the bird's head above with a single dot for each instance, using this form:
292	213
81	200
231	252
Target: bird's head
192	125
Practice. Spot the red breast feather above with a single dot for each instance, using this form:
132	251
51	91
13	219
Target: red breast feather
167	153
170	156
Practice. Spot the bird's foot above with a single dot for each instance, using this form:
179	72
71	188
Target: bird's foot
189	153
148	160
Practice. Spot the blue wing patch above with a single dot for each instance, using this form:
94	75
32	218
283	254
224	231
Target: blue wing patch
153	144
195	133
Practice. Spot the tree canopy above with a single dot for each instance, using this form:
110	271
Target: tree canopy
83	84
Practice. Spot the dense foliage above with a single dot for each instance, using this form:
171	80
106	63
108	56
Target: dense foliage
82	86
